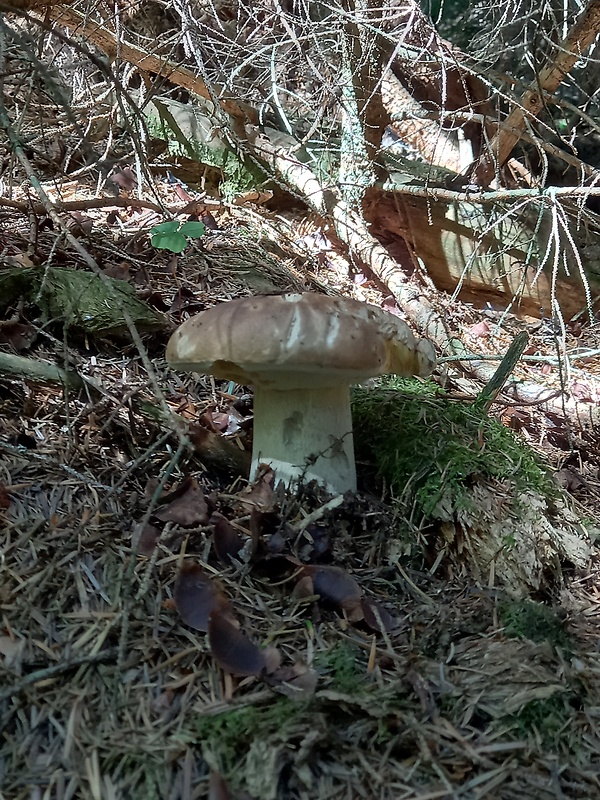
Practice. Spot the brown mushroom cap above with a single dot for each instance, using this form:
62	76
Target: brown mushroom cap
298	341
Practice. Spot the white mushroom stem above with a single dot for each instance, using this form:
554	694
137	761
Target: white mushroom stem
305	435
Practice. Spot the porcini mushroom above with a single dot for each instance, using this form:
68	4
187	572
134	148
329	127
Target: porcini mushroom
301	353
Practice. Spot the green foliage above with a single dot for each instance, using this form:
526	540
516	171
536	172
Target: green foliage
526	619
547	719
190	132
341	664
174	235
230	734
428	448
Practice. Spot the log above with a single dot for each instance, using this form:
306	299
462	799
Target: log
484	268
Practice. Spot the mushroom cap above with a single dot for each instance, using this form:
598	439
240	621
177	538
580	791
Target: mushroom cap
296	341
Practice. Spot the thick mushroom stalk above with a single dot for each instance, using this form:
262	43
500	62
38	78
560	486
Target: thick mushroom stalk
305	435
301	353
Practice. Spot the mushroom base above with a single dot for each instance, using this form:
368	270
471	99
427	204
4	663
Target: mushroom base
305	435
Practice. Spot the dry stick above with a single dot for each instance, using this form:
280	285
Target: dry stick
56	669
549	79
27	206
353	231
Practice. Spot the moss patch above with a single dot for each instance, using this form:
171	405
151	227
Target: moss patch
229	734
528	620
341	665
429	449
547	719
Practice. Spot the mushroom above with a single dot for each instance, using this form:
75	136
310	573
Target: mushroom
301	353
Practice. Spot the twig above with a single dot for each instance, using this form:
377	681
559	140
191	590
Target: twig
531	359
549	79
101	202
494	386
56	669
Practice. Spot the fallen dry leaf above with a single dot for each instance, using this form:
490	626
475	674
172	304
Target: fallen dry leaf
189	508
376	616
18	335
232	650
79	224
297	681
4	496
124	178
228	543
148	539
120	271
336	587
9	647
568	479
217	788
260	493
197	596
479	329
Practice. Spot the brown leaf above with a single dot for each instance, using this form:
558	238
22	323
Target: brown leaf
120	271
582	392
568	479
148	539
231	649
260	494
376	616
219	420
479	329
123	178
79	224
228	543
190	508
4	496
297	681
335	586
9	647
197	596
163	702
210	222
182	193
184	299
217	787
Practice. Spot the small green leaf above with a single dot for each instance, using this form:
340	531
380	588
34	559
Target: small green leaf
165	227
174	242
192	229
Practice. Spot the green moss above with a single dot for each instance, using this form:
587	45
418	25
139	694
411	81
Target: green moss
547	719
190	132
230	734
341	664
428	448
79	299
528	620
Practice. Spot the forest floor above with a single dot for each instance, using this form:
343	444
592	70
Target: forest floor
393	668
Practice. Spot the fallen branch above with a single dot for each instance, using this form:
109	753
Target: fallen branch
28	206
353	231
30	369
549	79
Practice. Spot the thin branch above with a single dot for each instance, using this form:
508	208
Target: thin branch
549	79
